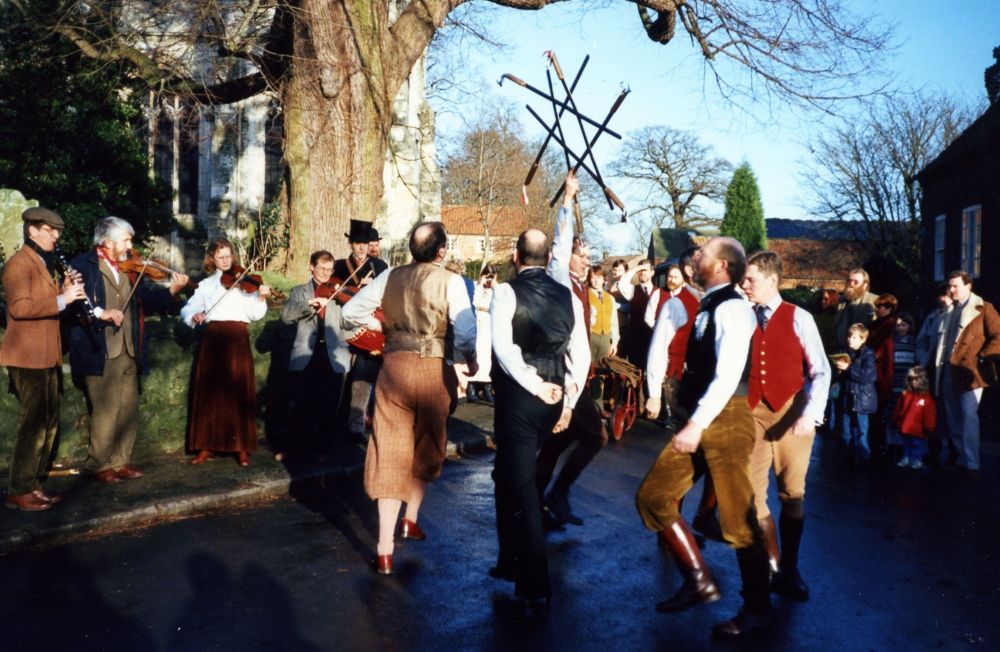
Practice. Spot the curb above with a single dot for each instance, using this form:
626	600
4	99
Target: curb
472	440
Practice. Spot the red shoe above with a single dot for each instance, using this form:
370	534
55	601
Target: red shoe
31	503
51	499
243	458
108	476
383	565
202	457
129	473
410	530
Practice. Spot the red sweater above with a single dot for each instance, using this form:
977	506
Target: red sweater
915	414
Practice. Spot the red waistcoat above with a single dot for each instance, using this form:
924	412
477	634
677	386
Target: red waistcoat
778	360
582	293
678	346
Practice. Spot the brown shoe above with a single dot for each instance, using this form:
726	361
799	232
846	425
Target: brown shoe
202	457
410	530
243	458
51	499
129	473
108	476
383	564
27	502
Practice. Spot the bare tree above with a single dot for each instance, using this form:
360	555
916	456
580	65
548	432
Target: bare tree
487	168
864	171
336	65
675	174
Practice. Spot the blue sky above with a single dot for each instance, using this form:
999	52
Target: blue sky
938	50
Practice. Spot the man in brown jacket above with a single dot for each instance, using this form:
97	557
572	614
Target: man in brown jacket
970	328
32	353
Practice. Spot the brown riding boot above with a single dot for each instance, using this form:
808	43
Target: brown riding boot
698	587
771	543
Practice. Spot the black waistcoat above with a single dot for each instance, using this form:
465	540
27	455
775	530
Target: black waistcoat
700	360
543	322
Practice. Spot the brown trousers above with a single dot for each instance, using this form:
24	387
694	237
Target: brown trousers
114	421
413	398
727	444
776	445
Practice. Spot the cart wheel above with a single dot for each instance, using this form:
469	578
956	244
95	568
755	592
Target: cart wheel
631	407
618	427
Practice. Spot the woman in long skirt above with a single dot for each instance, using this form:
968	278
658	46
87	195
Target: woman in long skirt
224	395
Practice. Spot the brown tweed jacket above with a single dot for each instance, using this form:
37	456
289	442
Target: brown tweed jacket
32	337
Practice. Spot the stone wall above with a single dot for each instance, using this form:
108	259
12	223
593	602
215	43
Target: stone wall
12	204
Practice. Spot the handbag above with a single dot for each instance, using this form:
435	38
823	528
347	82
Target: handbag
989	369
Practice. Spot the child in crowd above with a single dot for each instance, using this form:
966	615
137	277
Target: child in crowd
915	416
858	395
898	355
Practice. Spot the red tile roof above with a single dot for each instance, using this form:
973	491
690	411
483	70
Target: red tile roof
466	220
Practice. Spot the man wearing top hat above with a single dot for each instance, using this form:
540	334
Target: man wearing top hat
374	243
32	352
355	271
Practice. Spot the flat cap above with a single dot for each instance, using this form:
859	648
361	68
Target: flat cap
43	215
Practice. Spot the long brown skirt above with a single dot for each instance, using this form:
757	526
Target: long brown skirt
224	392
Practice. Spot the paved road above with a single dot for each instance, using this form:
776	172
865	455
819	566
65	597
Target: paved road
896	561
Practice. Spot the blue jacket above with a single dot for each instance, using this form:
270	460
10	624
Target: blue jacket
88	348
862	397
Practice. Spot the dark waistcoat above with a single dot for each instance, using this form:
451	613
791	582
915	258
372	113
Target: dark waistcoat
543	322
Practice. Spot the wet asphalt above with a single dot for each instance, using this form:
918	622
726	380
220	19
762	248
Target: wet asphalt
896	560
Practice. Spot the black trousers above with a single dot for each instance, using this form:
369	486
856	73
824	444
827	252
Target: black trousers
521	423
585	428
312	393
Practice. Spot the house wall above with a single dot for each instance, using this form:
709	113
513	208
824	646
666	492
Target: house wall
972	180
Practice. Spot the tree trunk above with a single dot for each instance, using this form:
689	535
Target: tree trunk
337	118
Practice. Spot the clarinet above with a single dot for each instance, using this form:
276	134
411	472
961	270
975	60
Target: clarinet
86	309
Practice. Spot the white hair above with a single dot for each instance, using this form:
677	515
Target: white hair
112	228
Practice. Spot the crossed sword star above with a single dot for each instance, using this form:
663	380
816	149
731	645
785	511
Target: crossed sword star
554	132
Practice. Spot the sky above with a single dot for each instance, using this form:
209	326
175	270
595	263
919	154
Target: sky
936	50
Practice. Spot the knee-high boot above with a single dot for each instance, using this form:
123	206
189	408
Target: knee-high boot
755	614
770	543
698	587
788	581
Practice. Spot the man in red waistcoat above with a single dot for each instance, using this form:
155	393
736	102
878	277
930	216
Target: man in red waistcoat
788	388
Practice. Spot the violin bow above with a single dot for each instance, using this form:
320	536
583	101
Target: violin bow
145	264
242	275
340	288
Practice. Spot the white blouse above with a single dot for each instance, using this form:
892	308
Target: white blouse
222	304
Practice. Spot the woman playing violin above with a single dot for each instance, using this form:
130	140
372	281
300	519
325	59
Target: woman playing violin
224	394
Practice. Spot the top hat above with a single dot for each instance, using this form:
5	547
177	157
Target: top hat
360	231
373	235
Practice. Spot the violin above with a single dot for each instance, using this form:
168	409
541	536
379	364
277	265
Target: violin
150	268
248	283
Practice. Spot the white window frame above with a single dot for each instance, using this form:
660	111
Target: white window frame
939	231
972	229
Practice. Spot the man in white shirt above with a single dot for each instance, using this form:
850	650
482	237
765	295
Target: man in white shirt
540	346
789	385
712	400
636	343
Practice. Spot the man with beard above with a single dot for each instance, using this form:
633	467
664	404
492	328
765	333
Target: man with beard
857	306
712	400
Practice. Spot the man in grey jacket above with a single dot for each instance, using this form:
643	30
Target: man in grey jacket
318	361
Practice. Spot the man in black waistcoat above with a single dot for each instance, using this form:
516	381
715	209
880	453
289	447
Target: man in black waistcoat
541	358
357	271
713	408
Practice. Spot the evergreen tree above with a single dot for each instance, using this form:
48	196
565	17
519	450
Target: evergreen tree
69	133
744	217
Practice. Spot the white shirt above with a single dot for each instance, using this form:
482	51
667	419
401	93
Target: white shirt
502	316
734	327
625	287
817	375
359	310
220	304
671	319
